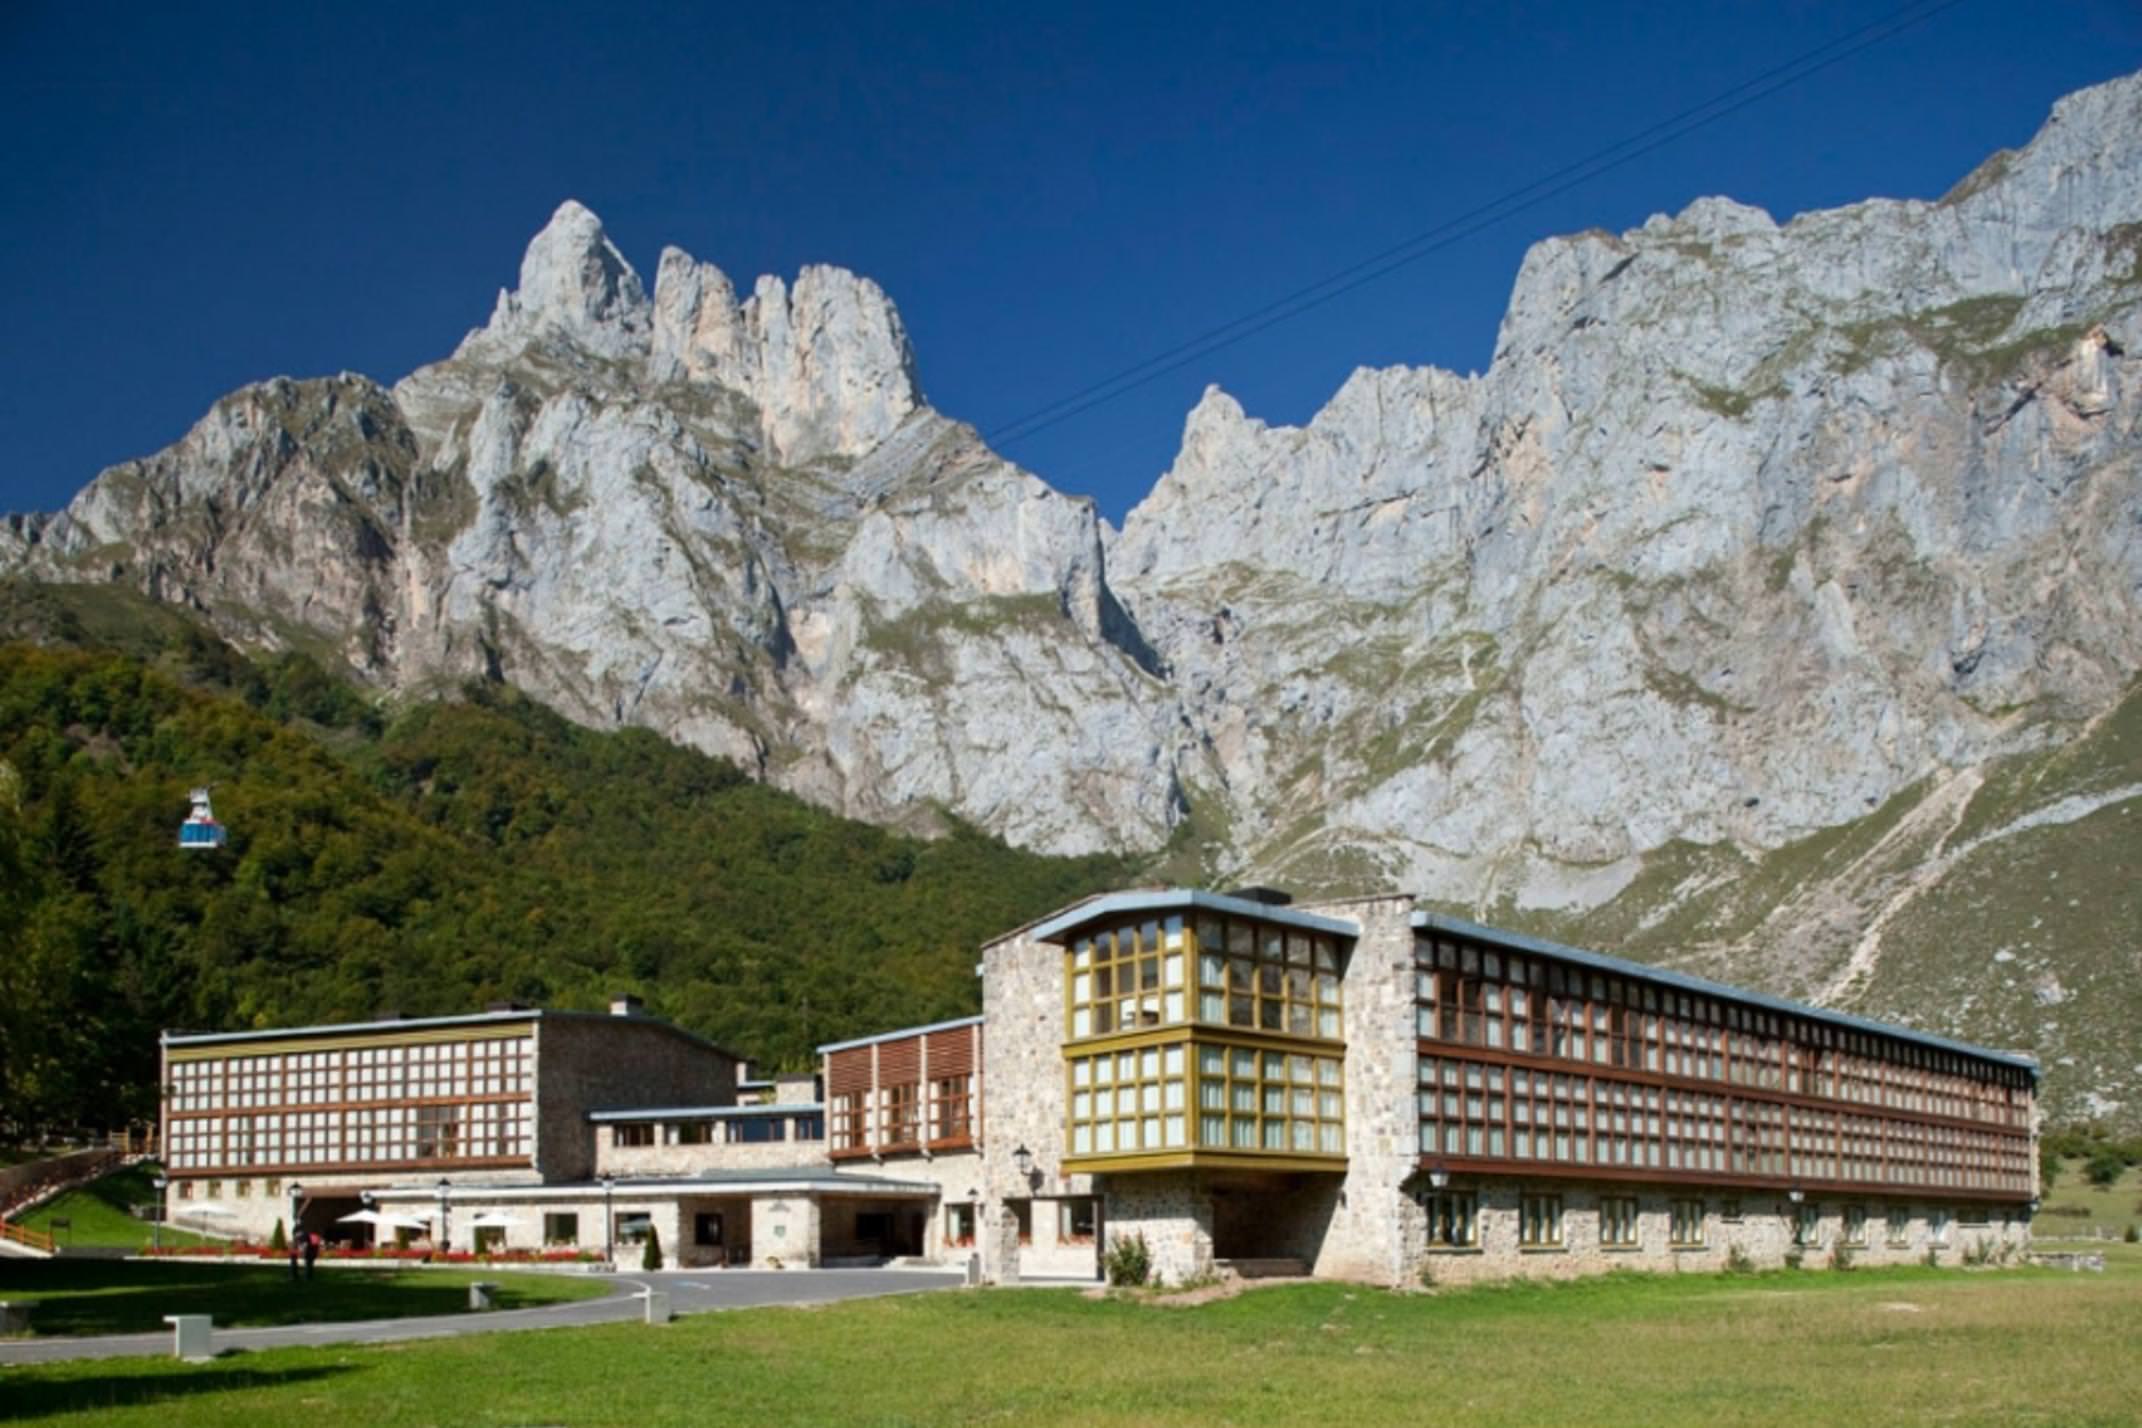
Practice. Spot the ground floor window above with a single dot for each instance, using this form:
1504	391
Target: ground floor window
489	1238
1617	1222
185	1190
1855	1225
1687	1223
1898	1224
1968	1215
632	1135
1452	1220
245	1189
273	1188
1539	1222
1023	1211
561	1229
959	1226
1806	1222
1075	1222
707	1228
1729	1211
633	1227
1937	1226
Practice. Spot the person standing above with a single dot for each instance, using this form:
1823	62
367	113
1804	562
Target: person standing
297	1248
312	1252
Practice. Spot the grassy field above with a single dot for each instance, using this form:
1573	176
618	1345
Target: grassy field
2102	1210
102	1296
1865	1347
101	1213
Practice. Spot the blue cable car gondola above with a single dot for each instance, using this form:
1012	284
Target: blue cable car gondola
201	831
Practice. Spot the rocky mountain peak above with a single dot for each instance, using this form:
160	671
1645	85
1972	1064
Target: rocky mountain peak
574	284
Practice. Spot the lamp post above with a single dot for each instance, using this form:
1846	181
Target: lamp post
609	1221
1023	1162
297	1193
446	1188
156	1212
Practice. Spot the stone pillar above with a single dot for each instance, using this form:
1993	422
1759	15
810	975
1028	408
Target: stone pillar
1007	1245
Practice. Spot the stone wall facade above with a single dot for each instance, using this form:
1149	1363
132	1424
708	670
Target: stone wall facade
636	1160
1023	1087
593	1063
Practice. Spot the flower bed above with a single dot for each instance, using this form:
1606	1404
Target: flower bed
383	1254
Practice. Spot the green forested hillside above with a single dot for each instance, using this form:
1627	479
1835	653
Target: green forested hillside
458	851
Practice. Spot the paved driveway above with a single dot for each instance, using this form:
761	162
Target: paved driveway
690	1292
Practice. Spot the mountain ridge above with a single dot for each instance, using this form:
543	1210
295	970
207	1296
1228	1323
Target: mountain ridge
1754	541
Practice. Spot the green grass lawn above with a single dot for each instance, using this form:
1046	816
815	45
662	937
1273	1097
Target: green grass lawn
102	1216
1865	1347
102	1296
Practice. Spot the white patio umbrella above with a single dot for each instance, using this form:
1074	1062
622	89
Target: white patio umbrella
205	1212
494	1220
360	1217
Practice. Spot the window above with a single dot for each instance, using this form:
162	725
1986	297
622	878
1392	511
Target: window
1898	1224
1127	1102
1539	1222
1806	1224
1023	1211
215	1189
898	1123
185	1190
755	1130
1453	1220
632	1227
707	1229
1855	1225
1269	1100
624	1136
1729	1211
245	1189
561	1229
273	1188
1123	978
848	1121
1617	1222
949	1101
695	1133
1972	1215
1937	1227
1686	1230
811	1127
1075	1222
959	1226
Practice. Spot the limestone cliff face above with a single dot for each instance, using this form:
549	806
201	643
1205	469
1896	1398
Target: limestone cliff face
1704	623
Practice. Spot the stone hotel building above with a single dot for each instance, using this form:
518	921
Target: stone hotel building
1363	1089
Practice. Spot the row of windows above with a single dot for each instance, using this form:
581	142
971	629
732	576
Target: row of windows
1494	1112
1249	974
1246	1099
734	1130
476	1131
488	1066
896	1114
1538	1006
1453	1222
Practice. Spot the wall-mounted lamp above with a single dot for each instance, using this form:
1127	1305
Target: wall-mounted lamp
1796	1196
1023	1161
1439	1179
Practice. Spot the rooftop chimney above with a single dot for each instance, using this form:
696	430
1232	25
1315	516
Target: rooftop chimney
627	1005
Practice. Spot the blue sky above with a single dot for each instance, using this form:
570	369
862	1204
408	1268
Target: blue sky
196	198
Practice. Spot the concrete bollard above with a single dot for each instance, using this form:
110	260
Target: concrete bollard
974	1270
14	1318
192	1337
483	1294
658	1306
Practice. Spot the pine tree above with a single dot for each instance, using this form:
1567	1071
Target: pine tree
651	1257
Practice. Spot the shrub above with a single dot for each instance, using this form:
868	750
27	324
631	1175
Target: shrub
2104	1167
278	1240
1840	1255
1427	1274
1932	1258
2134	1234
651	1257
1979	1254
1795	1257
1737	1261
1129	1260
